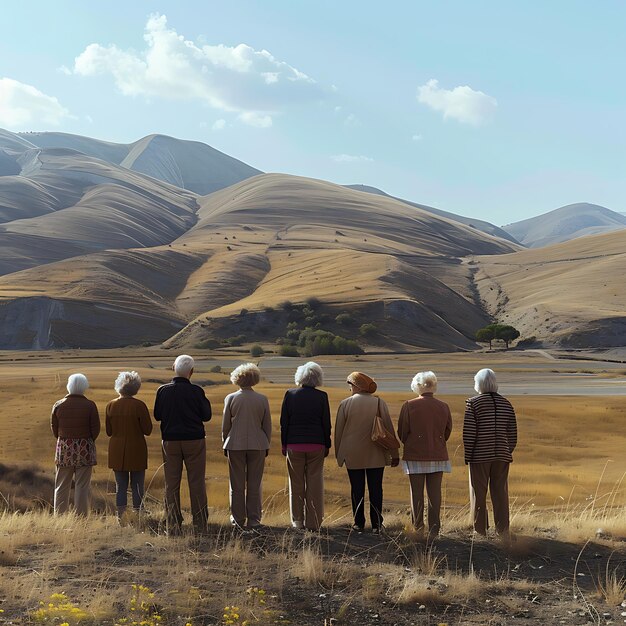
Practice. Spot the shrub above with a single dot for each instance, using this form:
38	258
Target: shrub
207	344
256	350
237	340
313	302
216	369
344	319
368	330
288	350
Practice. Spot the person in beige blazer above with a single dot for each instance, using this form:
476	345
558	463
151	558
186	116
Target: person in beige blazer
246	433
424	426
363	459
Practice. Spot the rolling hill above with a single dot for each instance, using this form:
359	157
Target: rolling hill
569	294
251	247
565	223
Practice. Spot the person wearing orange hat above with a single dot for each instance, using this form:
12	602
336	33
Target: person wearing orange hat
364	459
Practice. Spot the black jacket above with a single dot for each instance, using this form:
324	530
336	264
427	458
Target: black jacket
305	417
181	407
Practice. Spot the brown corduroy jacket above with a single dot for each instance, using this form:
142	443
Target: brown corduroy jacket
424	426
75	417
127	423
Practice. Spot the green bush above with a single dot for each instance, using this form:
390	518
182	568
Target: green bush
207	344
288	350
256	350
368	330
345	319
237	340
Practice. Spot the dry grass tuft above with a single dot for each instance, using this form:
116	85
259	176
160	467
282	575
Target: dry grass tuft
612	588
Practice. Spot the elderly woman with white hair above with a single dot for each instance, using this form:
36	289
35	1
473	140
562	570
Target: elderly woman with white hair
305	436
127	422
76	425
424	427
489	438
246	433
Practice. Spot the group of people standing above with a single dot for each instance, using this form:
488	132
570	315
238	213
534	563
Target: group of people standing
181	408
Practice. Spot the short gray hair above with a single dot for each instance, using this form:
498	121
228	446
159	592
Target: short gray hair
424	382
246	375
309	375
183	365
77	384
128	383
485	381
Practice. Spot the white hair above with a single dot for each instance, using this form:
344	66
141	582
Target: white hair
183	365
77	384
127	383
424	382
485	381
309	375
246	375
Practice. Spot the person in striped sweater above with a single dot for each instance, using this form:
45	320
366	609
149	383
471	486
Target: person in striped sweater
489	438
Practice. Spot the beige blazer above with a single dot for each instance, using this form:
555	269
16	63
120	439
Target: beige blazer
353	432
246	423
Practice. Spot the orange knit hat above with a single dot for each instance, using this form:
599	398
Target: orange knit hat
362	382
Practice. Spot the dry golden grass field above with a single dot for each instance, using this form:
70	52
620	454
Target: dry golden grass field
566	489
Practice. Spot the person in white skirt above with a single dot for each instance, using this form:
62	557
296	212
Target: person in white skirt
424	427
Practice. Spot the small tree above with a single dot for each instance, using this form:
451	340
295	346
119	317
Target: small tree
506	333
486	334
368	330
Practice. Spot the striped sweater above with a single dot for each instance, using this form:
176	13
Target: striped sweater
489	429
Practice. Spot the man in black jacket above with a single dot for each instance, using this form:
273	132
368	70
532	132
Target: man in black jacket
182	408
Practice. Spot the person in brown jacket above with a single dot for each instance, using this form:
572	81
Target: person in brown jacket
246	433
76	425
424	426
363	458
128	423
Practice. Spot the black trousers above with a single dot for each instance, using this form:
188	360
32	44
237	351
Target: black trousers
374	477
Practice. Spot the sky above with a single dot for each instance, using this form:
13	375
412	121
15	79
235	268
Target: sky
495	110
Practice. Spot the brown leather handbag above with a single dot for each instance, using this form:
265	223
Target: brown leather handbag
381	436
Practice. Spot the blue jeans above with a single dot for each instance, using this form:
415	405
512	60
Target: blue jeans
136	485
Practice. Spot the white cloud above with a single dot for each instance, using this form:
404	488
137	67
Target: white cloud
462	103
23	106
89	119
352	120
258	120
351	158
218	124
64	70
239	79
417	137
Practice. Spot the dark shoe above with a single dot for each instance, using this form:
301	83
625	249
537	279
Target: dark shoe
378	530
357	529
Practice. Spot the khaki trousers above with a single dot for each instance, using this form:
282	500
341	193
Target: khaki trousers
306	488
245	468
82	489
493	476
192	454
432	481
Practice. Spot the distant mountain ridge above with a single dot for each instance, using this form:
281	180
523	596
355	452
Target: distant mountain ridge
485	227
187	164
565	223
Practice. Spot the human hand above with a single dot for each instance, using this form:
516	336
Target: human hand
395	462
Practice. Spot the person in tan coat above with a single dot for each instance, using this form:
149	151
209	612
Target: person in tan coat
76	425
128	423
424	426
246	433
363	458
